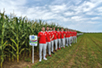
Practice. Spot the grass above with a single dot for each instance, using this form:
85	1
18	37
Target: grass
27	59
86	53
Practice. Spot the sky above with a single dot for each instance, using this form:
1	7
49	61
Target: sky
82	15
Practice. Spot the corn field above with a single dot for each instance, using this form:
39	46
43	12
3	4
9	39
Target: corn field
14	36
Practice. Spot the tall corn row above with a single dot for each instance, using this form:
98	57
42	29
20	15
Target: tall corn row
16	31
2	35
20	31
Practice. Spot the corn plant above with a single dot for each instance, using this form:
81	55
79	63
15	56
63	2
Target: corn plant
14	36
3	42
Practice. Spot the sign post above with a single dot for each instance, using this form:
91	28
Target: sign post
33	42
32	54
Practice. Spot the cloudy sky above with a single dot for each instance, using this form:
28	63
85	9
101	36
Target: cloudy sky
82	15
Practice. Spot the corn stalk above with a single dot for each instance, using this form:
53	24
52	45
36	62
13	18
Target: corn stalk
2	41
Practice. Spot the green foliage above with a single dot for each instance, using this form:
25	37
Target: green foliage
14	35
27	59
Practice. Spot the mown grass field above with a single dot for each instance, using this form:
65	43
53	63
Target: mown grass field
86	53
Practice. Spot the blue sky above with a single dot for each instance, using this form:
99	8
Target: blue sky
82	15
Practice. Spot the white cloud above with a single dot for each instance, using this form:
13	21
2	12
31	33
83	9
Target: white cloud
58	8
94	13
11	5
57	2
88	6
78	18
90	13
84	7
75	17
77	1
64	19
69	13
92	22
96	1
99	9
95	18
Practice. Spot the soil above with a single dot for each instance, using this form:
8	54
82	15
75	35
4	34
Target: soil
21	64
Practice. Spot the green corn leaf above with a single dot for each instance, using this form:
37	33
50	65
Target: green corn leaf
21	50
12	47
4	44
12	53
27	49
14	33
23	42
13	41
0	47
23	35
